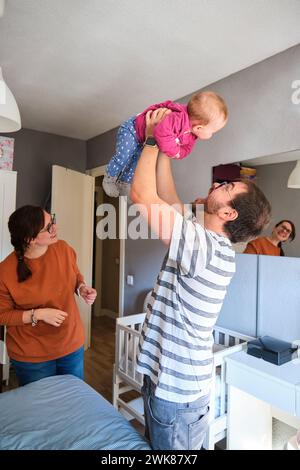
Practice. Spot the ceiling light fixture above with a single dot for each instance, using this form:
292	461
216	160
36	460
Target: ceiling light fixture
294	178
10	120
2	6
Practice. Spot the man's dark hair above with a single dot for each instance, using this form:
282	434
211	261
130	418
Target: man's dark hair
254	214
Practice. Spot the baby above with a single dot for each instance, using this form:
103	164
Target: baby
205	114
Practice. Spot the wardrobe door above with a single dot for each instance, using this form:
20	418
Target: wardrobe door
8	185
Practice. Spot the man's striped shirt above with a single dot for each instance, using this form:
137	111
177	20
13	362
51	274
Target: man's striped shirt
175	348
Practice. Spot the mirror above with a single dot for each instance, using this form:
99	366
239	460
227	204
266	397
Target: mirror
271	174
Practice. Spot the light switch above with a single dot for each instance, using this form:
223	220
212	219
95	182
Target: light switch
130	280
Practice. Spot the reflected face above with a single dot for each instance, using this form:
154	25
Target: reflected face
283	231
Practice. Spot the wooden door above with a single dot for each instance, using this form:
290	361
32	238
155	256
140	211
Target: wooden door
72	201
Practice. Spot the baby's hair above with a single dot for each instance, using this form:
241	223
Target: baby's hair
205	106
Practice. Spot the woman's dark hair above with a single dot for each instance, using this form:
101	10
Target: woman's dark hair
292	234
24	225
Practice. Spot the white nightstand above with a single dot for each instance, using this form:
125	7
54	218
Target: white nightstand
258	391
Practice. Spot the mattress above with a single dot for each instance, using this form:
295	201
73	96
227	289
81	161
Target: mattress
63	412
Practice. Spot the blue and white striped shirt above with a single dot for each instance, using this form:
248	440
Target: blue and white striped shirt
175	348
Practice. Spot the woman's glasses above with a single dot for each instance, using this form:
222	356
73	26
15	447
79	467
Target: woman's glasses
49	226
286	229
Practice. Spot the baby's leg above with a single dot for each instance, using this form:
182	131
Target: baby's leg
126	146
125	179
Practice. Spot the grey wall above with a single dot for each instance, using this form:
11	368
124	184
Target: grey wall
262	121
143	259
35	153
100	149
272	179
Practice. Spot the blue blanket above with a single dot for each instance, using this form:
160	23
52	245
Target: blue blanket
63	412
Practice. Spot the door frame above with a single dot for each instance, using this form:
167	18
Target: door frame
100	171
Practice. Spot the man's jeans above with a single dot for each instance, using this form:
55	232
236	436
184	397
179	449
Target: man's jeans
174	426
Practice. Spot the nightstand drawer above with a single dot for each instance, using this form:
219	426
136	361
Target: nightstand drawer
275	392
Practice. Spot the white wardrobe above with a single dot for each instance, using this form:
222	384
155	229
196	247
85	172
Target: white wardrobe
8	187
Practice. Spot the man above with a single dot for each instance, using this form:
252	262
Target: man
175	351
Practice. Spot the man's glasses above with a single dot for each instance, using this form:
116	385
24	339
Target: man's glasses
226	185
48	227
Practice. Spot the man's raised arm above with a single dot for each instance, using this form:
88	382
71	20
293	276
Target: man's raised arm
165	182
159	214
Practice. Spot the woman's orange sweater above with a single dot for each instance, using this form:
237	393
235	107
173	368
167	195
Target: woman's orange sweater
262	246
54	279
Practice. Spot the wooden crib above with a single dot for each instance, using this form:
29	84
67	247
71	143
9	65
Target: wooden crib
127	379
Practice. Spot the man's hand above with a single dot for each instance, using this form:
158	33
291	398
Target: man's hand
199	200
153	118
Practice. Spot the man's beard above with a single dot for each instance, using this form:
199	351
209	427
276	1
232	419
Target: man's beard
211	206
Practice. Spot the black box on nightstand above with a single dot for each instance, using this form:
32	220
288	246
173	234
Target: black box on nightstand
270	349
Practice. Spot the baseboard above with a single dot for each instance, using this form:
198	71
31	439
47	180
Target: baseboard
105	312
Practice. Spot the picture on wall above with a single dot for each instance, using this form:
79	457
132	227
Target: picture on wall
6	153
233	172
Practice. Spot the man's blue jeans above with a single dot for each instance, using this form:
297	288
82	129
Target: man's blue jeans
31	371
174	426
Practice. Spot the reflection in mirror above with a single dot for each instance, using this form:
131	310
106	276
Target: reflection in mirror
272	174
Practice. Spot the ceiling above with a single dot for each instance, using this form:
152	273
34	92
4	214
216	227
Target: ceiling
80	67
274	158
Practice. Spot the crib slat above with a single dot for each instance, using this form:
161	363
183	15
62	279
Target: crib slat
223	391
135	339
126	352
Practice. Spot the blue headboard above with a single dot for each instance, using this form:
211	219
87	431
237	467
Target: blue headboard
279	297
240	305
263	297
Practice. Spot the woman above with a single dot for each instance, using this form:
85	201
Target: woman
282	232
38	280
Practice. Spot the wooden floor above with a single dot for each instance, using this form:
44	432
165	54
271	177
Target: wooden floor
99	359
